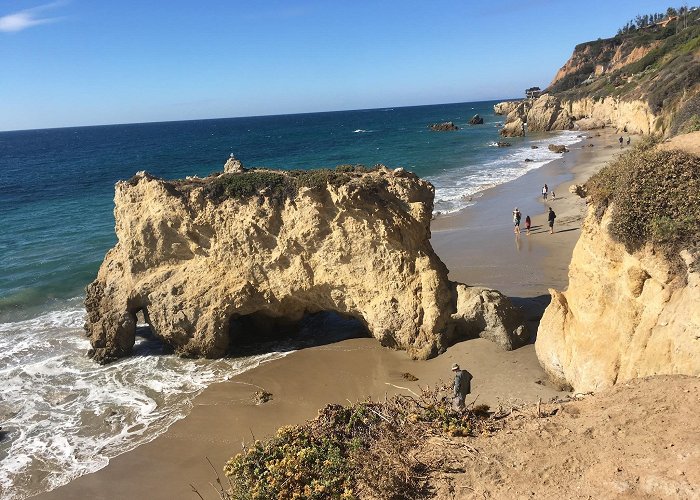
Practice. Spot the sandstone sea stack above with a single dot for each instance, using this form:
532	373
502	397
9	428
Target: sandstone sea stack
210	261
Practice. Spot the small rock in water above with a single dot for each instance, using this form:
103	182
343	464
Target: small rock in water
444	126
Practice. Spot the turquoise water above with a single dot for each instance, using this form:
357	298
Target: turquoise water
65	416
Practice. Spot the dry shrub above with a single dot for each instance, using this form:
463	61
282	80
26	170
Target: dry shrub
655	197
367	449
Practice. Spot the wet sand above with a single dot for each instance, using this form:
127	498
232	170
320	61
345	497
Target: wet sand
479	248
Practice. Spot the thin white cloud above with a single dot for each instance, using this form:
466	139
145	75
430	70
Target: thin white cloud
24	19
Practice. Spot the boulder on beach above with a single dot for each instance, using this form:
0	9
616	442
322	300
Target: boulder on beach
579	190
476	120
244	257
558	148
443	127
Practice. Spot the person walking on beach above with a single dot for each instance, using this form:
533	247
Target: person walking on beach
621	139
528	222
462	386
516	220
545	190
551	216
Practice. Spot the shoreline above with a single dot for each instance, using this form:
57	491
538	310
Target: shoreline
472	243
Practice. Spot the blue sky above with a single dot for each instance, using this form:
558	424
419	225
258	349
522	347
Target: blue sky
89	62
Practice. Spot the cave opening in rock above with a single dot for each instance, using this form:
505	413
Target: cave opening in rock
147	342
261	332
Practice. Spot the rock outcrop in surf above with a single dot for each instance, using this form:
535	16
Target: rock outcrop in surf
443	127
211	261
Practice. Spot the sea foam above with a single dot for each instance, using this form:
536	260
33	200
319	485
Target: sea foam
65	416
458	188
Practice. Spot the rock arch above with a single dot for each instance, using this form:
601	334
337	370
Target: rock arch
357	243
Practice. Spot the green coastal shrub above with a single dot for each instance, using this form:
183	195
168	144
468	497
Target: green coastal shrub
248	184
279	186
349	452
656	199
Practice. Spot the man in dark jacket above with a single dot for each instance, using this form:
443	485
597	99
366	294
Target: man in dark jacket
462	386
550	217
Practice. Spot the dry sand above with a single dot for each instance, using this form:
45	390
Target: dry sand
477	245
636	440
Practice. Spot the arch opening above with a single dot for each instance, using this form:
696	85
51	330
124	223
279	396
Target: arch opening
147	342
261	332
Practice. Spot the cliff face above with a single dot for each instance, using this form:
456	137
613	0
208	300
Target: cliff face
599	58
623	315
207	269
646	81
549	113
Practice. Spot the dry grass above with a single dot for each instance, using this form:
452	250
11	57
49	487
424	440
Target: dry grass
363	450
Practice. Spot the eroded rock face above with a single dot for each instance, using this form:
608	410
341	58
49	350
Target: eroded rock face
623	316
206	271
549	112
505	107
233	166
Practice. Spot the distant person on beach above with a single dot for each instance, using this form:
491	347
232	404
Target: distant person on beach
621	139
528	222
462	386
545	190
516	220
553	195
551	216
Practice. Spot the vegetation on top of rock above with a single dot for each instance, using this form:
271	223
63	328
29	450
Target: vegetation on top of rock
279	185
355	451
656	198
649	20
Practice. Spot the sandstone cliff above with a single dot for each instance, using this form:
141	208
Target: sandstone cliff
644	82
632	305
623	316
212	261
549	112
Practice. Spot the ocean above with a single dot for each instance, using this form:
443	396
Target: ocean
61	414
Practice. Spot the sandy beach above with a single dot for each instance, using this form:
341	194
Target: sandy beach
478	246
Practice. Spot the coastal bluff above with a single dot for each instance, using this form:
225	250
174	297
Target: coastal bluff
631	312
214	261
623	316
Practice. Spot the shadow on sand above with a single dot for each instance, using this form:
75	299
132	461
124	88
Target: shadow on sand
532	309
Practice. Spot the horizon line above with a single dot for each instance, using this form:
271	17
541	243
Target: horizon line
249	116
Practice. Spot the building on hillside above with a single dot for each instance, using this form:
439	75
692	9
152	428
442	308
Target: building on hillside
533	92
